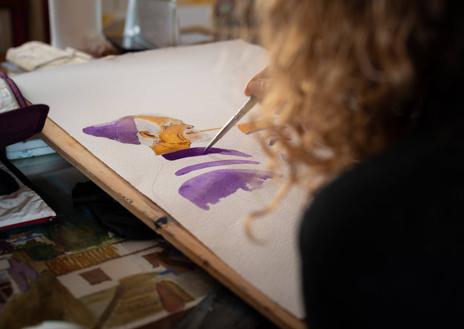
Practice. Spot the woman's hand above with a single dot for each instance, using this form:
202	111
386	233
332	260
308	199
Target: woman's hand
258	85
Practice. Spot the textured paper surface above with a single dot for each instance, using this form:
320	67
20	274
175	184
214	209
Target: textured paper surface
202	86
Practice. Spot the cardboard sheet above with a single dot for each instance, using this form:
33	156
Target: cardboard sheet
200	86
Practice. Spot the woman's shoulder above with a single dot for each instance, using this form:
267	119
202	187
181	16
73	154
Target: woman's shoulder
416	162
418	175
374	238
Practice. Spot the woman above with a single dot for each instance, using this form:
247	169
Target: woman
371	91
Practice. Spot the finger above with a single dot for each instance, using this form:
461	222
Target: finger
252	87
264	74
257	88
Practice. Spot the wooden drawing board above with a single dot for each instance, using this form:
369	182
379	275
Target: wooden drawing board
158	220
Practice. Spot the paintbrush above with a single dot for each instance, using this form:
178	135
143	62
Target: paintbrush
232	121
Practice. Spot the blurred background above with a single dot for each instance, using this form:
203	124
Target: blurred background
188	21
42	34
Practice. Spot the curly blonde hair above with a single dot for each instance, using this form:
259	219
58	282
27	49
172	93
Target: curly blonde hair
346	77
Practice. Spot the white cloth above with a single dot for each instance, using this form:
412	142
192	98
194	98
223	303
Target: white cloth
7	99
36	55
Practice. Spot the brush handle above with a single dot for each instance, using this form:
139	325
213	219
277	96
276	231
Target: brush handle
236	118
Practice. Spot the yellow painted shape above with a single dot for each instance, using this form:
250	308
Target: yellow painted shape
172	139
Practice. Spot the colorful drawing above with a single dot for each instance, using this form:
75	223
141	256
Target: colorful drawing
171	260
161	134
109	284
95	276
173	298
75	270
36	245
210	187
137	296
63	238
46	299
81	259
173	139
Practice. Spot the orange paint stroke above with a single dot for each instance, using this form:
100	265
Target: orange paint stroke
252	127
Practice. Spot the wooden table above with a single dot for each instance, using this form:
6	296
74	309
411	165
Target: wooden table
153	216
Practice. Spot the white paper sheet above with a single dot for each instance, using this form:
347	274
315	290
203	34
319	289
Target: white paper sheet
22	206
202	86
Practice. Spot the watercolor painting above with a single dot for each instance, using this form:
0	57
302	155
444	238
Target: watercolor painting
161	134
172	139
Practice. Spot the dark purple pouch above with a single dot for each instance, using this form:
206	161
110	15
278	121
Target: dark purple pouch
22	123
18	125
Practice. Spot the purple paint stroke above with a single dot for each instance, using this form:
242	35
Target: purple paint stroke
122	130
199	151
209	188
203	165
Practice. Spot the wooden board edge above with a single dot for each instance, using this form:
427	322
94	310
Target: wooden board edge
147	211
205	258
76	154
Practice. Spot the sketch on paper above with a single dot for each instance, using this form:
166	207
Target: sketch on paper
172	138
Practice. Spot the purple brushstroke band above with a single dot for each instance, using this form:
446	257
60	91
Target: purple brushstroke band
203	165
199	151
209	188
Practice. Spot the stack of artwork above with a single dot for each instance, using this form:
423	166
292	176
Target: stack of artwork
75	270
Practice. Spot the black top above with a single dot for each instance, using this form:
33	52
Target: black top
382	245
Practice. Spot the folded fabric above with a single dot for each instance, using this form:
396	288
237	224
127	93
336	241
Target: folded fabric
36	55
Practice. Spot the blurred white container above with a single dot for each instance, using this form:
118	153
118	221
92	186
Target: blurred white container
151	24
77	24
